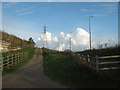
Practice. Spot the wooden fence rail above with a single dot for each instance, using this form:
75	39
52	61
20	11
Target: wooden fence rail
13	59
0	63
108	62
94	62
98	63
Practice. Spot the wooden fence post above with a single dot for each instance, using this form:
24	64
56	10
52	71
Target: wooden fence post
97	61
26	55
7	61
88	57
12	60
18	57
13	56
21	56
1	63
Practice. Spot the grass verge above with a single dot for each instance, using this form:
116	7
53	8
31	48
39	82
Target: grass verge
61	68
30	55
102	52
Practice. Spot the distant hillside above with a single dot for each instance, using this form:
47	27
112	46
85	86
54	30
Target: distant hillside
11	42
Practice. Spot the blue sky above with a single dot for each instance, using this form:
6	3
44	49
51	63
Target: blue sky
26	19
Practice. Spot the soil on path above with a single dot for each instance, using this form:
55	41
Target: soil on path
30	75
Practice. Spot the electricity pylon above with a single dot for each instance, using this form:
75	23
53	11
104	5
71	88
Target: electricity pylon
45	43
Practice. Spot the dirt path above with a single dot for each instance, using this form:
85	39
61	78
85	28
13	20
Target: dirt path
30	76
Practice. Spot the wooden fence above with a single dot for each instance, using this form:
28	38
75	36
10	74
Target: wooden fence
98	63
13	59
0	62
108	62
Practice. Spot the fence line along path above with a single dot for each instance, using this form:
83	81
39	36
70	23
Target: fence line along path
108	62
31	75
13	59
98	63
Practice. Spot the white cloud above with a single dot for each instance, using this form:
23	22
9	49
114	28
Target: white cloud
81	37
10	4
62	34
61	47
24	11
48	36
79	41
86	10
21	10
55	39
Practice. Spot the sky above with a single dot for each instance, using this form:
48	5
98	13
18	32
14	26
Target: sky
60	0
63	20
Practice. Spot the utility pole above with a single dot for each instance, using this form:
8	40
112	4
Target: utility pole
90	30
70	43
109	42
62	42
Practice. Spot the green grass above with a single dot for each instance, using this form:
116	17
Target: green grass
18	51
102	52
30	55
62	68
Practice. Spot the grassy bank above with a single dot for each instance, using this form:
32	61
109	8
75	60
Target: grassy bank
102	52
61	68
30	55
